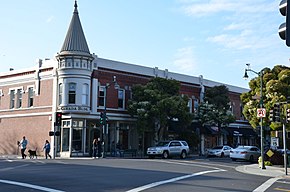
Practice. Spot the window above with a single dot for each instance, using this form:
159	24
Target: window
1	94
102	96
195	104
72	93
189	104
85	94
60	91
19	98
12	99
121	100
30	96
65	139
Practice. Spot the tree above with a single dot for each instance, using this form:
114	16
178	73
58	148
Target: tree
158	103
275	89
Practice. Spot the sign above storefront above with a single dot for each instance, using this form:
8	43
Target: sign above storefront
74	108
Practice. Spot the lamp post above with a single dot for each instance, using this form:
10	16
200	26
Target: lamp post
105	129
260	74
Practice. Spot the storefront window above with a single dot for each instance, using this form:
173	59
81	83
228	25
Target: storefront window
77	140
65	139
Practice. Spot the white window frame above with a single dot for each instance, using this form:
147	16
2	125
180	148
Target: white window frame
1	94
101	89
19	99
85	94
71	93
60	93
29	103
15	99
12	100
190	105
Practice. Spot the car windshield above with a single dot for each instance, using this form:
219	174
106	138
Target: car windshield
218	147
161	144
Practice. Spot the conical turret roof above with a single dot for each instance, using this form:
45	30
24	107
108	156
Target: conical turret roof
75	42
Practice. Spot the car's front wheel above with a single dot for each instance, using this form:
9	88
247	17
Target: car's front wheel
165	155
183	154
233	159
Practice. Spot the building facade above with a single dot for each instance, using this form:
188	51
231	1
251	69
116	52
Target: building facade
81	85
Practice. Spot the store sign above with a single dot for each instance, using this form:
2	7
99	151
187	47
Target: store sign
74	108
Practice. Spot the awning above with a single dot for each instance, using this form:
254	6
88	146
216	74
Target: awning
243	132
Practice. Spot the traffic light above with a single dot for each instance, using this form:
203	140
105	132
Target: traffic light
58	118
283	32
271	115
288	115
102	116
276	113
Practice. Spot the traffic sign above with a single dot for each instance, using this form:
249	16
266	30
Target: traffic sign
261	112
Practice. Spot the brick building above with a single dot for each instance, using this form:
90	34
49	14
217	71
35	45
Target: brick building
75	83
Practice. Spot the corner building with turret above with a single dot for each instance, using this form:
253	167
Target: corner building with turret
81	86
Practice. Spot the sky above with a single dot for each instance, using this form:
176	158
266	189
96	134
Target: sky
212	38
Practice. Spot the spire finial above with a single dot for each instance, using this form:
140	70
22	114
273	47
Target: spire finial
76	7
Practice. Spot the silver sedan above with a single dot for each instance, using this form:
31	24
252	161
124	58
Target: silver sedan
248	153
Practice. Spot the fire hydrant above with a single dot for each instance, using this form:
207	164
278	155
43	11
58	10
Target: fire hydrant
260	162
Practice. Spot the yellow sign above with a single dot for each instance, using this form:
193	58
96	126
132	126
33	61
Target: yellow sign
270	153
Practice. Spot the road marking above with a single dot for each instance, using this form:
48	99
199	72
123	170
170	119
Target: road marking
29	186
266	185
280	189
151	185
15	167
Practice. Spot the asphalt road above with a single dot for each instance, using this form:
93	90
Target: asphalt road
128	175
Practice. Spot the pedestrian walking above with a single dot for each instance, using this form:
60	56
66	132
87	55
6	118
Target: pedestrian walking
46	149
23	143
95	148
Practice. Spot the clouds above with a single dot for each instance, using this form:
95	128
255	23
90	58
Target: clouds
199	8
185	60
50	19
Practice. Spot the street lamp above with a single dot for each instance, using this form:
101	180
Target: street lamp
105	130
260	74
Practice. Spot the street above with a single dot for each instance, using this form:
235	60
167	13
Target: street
129	175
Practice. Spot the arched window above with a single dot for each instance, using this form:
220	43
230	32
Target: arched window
85	94
121	98
72	93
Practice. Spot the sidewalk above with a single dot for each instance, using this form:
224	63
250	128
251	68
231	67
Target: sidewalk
270	171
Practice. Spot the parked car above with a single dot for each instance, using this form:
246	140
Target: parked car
219	151
282	151
166	149
248	153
